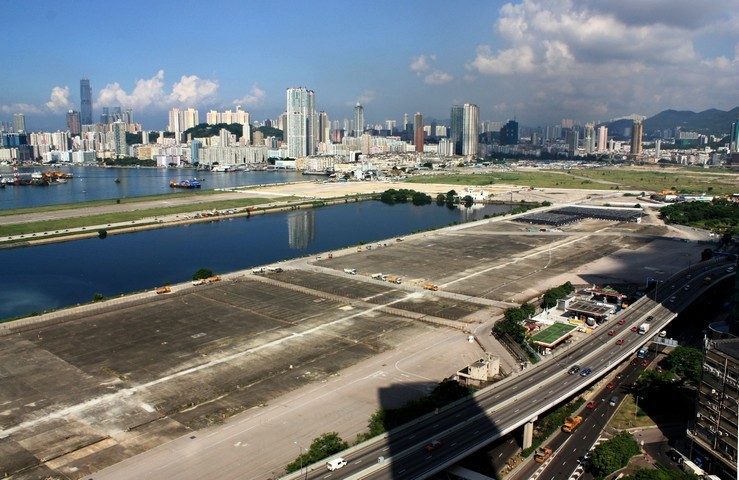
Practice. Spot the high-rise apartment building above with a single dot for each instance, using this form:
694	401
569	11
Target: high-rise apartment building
602	138
119	138
636	134
85	102
455	128
588	138
358	120
573	138
324	128
470	129
418	131
74	124
509	133
714	433
19	123
734	140
181	120
301	123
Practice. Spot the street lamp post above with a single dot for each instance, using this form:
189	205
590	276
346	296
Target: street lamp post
300	456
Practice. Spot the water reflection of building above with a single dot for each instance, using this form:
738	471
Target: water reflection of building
301	227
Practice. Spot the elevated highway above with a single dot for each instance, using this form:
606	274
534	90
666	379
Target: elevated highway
472	423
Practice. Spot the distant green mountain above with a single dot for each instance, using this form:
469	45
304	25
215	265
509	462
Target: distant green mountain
711	121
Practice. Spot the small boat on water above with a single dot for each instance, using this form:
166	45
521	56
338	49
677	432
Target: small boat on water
192	183
117	180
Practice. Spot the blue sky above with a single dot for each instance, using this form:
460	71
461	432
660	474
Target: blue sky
538	60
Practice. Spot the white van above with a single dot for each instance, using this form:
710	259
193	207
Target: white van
336	464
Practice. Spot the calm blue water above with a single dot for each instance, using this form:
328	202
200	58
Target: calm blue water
94	183
56	275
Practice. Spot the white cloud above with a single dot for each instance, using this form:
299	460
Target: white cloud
422	66
437	78
254	98
190	91
422	63
20	108
597	58
59	101
367	96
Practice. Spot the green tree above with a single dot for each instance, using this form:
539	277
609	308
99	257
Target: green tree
686	362
201	274
613	454
322	447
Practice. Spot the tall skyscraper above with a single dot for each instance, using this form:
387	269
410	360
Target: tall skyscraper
74	125
734	140
324	128
457	122
418	131
119	138
358	120
588	140
19	123
573	138
602	138
509	133
85	102
470	129
636	134
301	124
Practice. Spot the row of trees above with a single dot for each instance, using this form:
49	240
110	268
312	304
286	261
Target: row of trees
392	196
718	216
553	294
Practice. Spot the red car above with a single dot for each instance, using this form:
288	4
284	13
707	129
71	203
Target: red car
434	445
644	363
611	333
634	329
635	361
622	322
590	405
620	341
611	385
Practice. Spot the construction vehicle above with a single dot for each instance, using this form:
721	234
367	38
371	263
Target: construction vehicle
164	289
541	454
394	280
571	423
431	286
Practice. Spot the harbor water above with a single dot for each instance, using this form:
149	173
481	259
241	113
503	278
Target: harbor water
56	275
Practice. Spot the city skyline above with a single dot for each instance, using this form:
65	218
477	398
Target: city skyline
534	60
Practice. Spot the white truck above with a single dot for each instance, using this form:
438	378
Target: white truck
350	271
643	328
